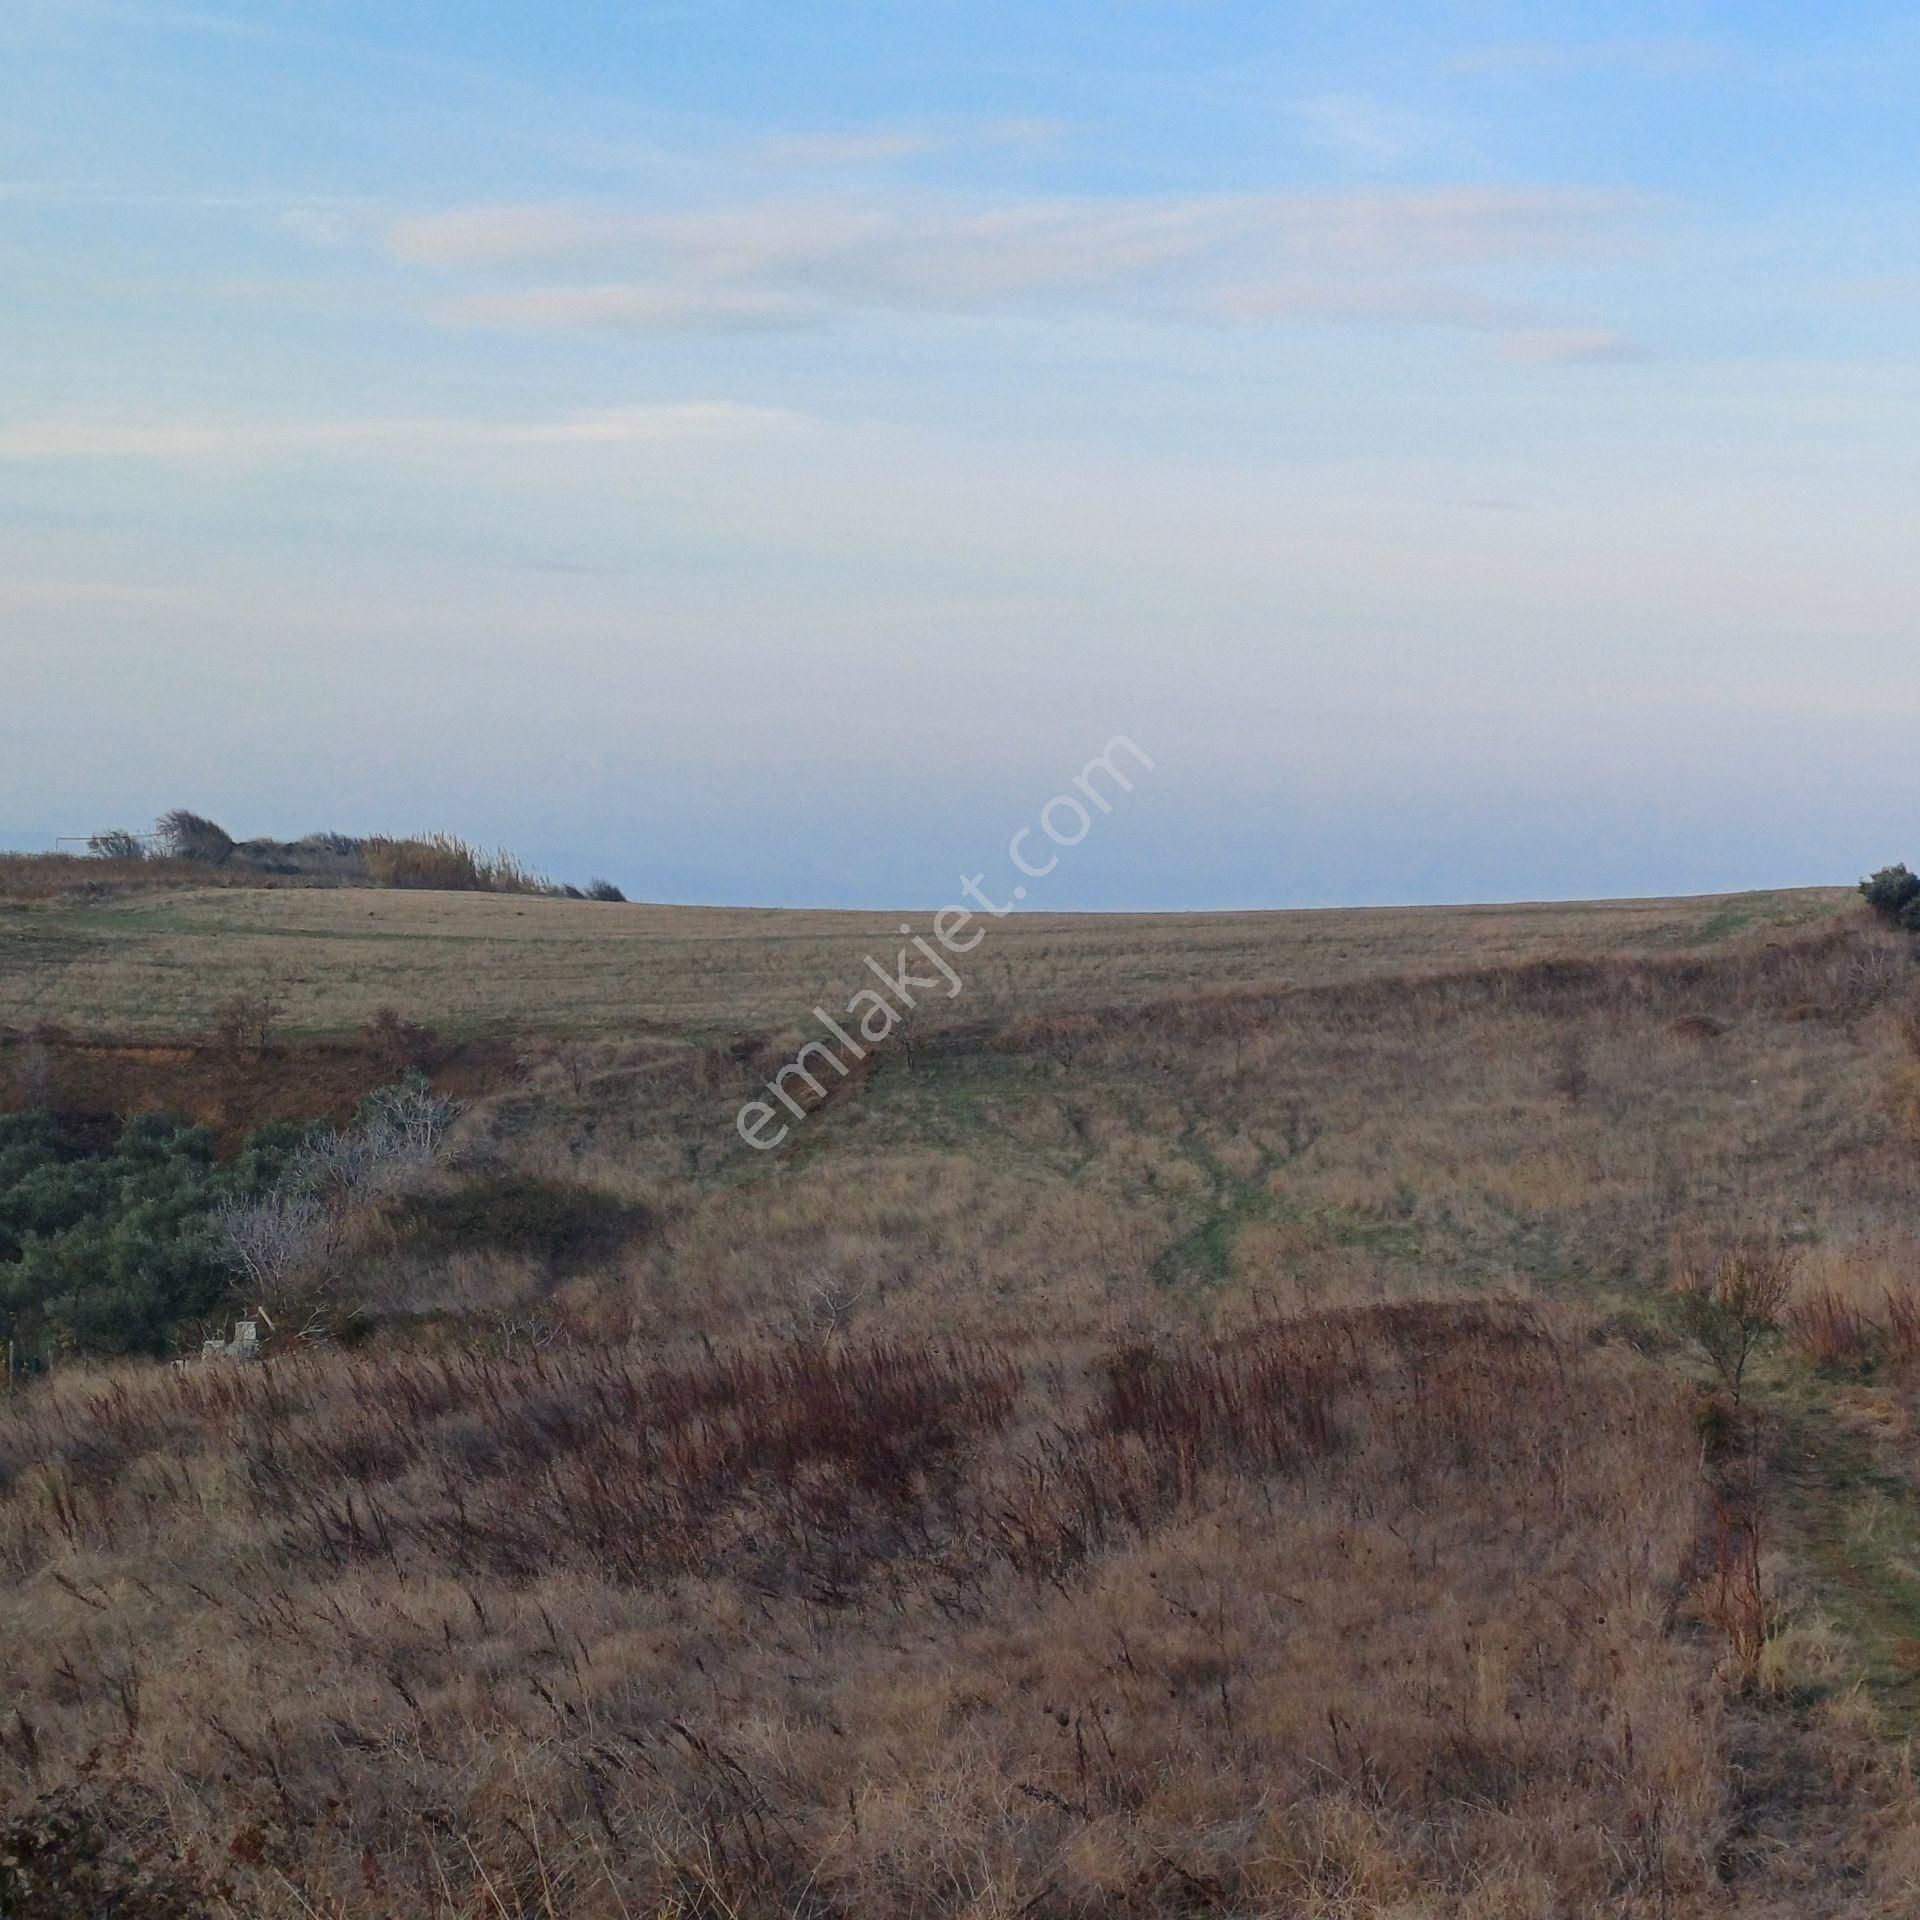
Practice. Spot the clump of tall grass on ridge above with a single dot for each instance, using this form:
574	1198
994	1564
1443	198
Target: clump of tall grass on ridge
448	864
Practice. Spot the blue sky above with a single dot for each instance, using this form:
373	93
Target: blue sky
761	452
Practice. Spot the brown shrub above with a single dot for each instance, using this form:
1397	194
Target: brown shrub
398	1044
55	876
245	1022
89	1853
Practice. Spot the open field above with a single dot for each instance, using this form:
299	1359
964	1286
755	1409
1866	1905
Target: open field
160	962
1209	1430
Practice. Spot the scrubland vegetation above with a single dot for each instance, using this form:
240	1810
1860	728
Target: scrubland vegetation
186	849
1413	1415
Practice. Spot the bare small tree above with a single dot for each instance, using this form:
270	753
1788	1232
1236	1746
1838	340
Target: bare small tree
35	1075
1572	1067
399	1044
404	1129
244	1023
576	1061
406	1124
273	1239
117	844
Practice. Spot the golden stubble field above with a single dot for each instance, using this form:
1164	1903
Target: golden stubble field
160	962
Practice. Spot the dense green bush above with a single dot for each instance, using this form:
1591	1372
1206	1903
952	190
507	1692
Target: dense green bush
1894	894
115	1252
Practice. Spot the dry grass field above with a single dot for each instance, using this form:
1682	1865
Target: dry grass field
1218	1427
160	961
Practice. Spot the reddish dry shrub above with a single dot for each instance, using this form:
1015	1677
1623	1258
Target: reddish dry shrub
1175	1424
1730	1594
1841	1333
55	876
1832	1333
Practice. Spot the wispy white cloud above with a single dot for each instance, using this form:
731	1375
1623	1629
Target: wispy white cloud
289	209
30	594
1102	236
492	235
1572	347
164	19
1380	256
1032	130
186	441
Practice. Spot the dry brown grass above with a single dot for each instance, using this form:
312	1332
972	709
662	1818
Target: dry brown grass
1315	1144
1284	1626
225	1079
28	877
1216	1448
1855	1308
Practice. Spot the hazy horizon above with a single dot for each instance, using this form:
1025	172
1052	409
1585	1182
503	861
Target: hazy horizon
762	458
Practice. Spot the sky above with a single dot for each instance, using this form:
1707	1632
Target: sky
761	453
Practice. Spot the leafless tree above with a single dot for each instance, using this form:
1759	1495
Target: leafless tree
294	1228
274	1238
819	1309
575	1061
406	1125
245	1023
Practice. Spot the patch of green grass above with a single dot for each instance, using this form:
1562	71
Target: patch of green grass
1856	1526
947	1098
1725	924
551	1220
1204	1255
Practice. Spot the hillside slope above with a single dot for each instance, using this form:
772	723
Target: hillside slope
1207	1430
